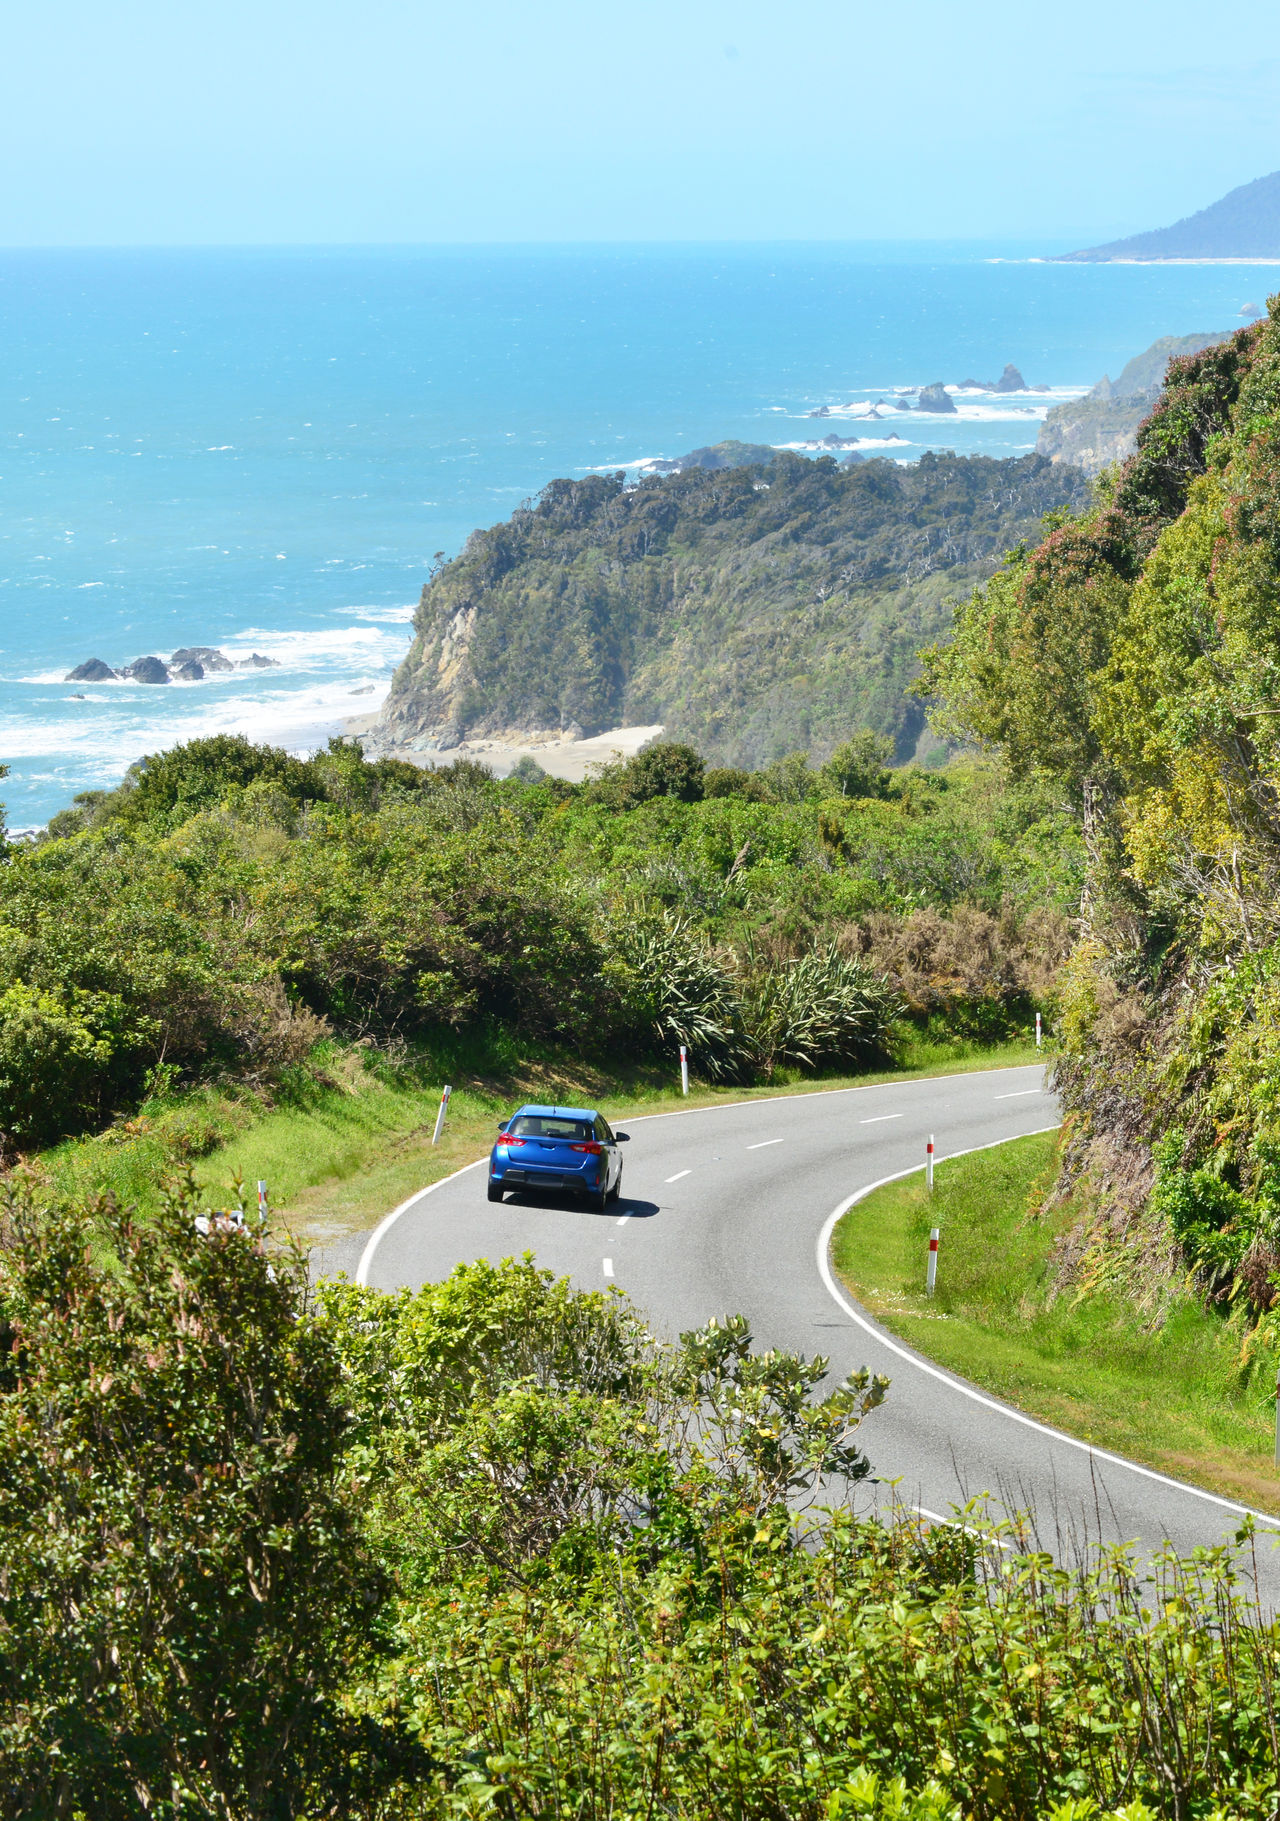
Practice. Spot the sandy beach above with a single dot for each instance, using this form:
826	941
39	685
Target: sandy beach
566	758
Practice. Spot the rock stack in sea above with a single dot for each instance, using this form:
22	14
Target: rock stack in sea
189	664
936	398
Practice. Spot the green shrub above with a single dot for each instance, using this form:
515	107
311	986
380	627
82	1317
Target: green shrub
185	1589
822	1010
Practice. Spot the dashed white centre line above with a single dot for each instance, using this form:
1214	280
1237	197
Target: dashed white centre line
1020	1095
679	1174
624	1219
881	1117
608	1267
763	1142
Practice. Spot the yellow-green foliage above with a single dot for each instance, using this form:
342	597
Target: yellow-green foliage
1167	732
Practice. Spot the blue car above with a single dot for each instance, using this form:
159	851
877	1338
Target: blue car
563	1148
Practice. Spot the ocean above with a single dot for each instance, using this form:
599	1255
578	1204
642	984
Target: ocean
265	450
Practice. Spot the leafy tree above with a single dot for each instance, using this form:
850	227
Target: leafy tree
858	767
198	775
792	779
663	769
185	1592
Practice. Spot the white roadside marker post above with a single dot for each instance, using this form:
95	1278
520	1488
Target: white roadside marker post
1037	1030
262	1204
928	1164
931	1272
444	1108
684	1070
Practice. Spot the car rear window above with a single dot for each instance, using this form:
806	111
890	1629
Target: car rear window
541	1125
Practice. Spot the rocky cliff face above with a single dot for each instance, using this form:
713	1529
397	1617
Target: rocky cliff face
1096	431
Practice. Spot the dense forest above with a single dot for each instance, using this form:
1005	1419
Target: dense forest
1132	661
229	905
752	610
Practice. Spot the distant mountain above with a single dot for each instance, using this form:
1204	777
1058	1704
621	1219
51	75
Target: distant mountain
1245	224
1101	428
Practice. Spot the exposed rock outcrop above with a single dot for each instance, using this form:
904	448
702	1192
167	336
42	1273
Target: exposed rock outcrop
204	655
256	661
1099	429
94	671
188	672
1010	380
146	670
936	398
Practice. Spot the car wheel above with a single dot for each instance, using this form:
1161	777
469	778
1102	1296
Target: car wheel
597	1200
495	1191
616	1190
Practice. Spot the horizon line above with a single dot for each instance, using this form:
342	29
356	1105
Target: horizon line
541	245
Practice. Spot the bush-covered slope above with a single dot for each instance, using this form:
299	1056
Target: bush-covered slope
1135	657
230	905
751	610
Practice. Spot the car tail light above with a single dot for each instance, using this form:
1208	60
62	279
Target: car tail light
592	1150
507	1139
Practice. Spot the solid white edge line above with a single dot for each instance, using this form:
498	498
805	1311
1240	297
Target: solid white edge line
764	1144
879	1118
1018	1094
962	1385
388	1220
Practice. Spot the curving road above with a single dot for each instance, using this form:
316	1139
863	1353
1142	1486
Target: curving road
730	1208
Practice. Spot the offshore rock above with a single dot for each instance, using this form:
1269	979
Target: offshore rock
190	672
1010	380
146	670
256	661
936	398
95	671
204	655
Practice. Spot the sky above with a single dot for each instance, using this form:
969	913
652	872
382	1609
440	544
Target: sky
179	122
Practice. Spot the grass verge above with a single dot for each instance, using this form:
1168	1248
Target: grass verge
1173	1398
347	1137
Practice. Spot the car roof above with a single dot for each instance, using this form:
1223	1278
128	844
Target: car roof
558	1112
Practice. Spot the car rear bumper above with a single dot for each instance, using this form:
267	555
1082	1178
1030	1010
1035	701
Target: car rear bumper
526	1176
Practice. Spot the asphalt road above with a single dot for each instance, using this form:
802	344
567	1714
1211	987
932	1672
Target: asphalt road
730	1209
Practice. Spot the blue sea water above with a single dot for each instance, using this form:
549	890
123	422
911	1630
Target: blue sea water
264	450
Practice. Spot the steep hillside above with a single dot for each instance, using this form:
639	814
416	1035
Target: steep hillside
1135	659
1095	431
753	610
1243	224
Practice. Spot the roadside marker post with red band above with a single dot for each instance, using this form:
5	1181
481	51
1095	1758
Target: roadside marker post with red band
444	1108
928	1164
684	1070
262	1203
1037	1030
931	1274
